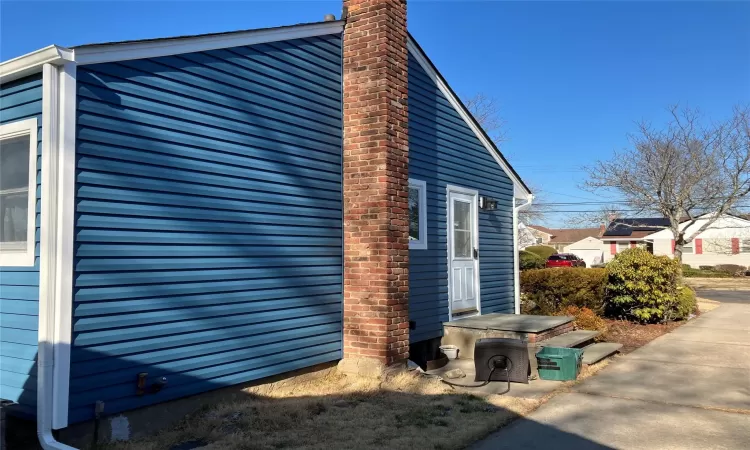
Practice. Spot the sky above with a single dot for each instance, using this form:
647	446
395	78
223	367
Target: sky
571	78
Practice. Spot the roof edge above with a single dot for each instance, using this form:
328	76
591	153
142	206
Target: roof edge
32	63
443	85
154	48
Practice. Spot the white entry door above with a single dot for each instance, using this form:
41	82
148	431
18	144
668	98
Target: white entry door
463	251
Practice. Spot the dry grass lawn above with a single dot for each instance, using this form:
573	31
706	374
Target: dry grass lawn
339	412
733	284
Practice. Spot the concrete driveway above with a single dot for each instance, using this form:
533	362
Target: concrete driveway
689	389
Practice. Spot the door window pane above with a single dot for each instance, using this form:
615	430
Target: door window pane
461	215
462	247
14	190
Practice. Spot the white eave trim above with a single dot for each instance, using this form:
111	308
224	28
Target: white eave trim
31	63
164	47
520	191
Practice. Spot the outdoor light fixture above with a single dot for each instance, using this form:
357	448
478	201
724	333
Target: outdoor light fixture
487	203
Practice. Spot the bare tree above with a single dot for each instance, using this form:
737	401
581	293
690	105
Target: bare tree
604	215
486	110
683	171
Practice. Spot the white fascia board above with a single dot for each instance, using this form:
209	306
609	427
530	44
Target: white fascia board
96	54
33	62
519	189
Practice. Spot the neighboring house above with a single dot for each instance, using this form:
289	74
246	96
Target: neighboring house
625	233
589	249
559	238
217	209
726	241
526	237
542	234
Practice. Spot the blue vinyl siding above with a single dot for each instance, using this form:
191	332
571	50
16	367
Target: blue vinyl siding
19	286
444	150
208	229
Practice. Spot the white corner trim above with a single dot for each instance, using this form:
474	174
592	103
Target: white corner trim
421	244
164	47
24	257
461	110
64	248
47	246
30	63
516	260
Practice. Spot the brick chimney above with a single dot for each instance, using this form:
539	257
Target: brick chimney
376	181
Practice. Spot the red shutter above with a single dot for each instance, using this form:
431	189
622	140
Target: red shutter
673	246
632	244
699	246
735	246
613	248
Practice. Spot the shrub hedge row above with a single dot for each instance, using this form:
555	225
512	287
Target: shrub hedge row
551	290
635	285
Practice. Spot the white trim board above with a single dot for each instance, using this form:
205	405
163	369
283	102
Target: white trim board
33	62
466	116
64	242
101	53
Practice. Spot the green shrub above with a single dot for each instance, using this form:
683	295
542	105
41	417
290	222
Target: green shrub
686	303
545	251
699	273
551	290
585	319
641	286
732	269
706	267
528	260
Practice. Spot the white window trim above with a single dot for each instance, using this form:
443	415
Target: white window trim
421	243
10	257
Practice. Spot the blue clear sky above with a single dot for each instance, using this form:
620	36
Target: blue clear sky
571	77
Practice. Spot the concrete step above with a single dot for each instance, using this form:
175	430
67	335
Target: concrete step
596	352
570	339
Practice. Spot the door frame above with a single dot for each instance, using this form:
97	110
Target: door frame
449	232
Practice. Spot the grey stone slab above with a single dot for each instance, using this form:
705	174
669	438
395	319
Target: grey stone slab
596	352
570	339
510	322
578	421
681	384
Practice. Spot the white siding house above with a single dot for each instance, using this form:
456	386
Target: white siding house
726	241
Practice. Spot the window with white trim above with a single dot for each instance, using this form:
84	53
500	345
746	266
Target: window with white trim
417	214
745	245
18	143
622	246
688	249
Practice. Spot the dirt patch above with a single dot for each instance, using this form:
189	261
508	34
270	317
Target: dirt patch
634	335
340	412
732	284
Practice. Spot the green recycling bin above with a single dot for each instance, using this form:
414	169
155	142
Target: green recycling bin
559	363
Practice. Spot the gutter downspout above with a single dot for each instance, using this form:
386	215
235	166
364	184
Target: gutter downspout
516	263
47	260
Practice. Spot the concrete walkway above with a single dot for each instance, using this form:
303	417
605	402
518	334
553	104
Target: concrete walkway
689	389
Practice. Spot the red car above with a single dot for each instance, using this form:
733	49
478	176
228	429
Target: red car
565	260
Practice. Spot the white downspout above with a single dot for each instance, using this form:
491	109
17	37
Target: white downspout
516	263
47	261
